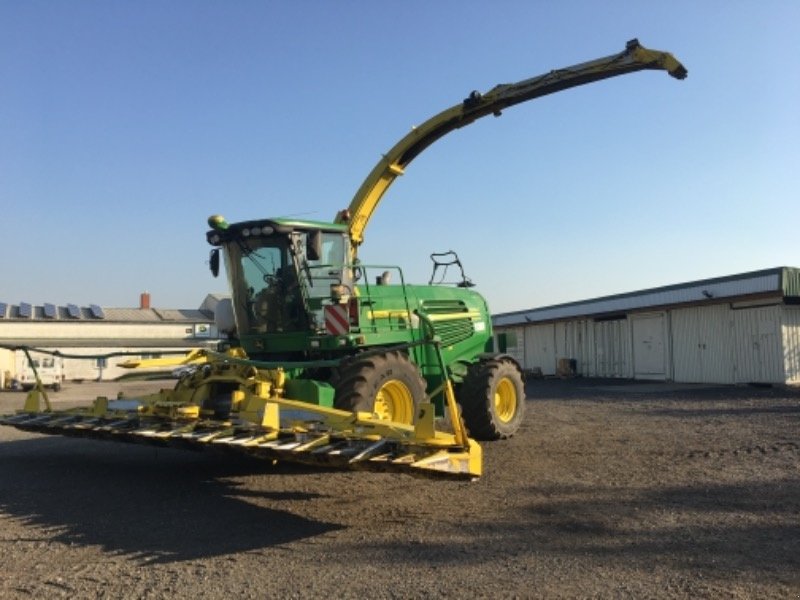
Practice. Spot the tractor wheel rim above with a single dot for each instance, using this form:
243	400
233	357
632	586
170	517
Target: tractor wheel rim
505	400
395	402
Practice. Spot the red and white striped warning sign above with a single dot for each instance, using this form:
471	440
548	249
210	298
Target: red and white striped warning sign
337	320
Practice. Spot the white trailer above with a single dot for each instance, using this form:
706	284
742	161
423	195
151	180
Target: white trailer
50	370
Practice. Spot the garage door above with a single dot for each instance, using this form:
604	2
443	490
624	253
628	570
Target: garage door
702	344
649	346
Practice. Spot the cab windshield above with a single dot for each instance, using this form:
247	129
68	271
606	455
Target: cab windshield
275	287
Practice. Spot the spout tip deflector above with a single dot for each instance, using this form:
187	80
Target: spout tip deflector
678	71
656	58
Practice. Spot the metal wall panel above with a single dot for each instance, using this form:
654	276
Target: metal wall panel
575	340
581	339
685	345
540	348
790	333
560	338
758	345
702	344
612	348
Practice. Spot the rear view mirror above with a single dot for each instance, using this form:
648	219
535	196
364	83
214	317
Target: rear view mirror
314	245
213	262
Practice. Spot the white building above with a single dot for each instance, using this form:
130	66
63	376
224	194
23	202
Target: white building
94	331
737	329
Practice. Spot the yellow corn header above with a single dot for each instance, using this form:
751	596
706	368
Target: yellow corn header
257	419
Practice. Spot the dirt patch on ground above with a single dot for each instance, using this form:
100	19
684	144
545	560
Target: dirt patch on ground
611	489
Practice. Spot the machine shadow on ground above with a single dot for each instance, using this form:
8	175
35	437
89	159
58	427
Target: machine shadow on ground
155	505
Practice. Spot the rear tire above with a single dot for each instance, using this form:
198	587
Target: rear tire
492	399
387	385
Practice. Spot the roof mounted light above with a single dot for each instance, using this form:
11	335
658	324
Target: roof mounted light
217	222
257	231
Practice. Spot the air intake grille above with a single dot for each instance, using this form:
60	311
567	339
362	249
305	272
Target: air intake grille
452	330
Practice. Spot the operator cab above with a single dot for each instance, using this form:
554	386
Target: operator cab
281	272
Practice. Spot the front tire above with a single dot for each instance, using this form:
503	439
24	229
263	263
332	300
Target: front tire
492	399
387	385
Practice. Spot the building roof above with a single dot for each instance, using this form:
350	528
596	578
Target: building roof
50	313
782	281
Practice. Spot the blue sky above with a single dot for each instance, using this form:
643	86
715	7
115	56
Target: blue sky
124	125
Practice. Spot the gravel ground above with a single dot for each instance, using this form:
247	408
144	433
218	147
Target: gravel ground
611	489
